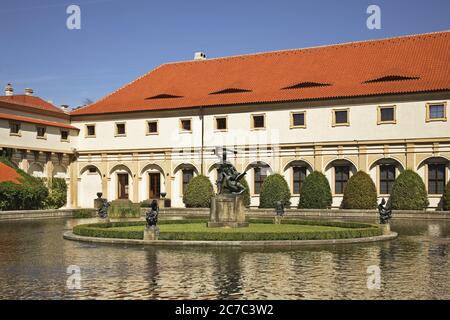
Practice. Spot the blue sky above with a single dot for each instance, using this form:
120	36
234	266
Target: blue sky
120	40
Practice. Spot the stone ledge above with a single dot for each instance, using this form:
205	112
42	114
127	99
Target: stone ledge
69	235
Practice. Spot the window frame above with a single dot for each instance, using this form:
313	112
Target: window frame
300	181
180	124
344	184
87	135
68	135
147	130
216	126
428	113
252	121
183	185
386	181
259	181
19	125
292	125
380	121
435	180
346	124
44	137
116	129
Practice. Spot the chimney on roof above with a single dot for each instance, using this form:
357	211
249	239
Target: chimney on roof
9	90
29	91
200	56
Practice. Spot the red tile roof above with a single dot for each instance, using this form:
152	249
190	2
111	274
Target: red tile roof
336	71
32	102
37	121
8	174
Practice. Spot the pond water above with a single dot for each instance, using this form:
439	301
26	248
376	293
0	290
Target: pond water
34	260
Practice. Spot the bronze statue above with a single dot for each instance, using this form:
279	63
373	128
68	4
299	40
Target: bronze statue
151	216
103	210
385	213
228	179
279	208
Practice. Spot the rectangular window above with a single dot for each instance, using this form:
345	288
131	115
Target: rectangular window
14	128
298	120
436	178
387	178
185	125
188	174
152	127
64	135
120	129
41	132
90	130
221	123
299	175
386	115
258	121
341	176
260	176
340	118
436	112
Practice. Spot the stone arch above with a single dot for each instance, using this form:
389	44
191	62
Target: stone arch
87	167
122	167
435	159
177	182
376	174
152	182
299	162
333	162
89	184
59	171
118	189
387	160
288	173
36	169
185	165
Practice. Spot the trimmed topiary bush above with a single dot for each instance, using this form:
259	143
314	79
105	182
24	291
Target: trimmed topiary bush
198	193
246	193
360	192
446	198
409	192
275	188
316	192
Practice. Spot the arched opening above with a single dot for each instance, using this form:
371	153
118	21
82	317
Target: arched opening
59	171
384	172
183	174
121	186
90	183
36	170
435	171
257	172
295	173
152	182
338	173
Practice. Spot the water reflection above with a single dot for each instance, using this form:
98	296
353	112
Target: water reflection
34	259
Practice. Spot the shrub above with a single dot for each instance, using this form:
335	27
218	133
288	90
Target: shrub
446	198
198	193
246	193
316	192
274	188
30	194
408	192
57	196
360	192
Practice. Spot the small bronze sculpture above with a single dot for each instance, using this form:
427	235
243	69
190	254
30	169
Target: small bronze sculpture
103	210
279	208
151	216
385	213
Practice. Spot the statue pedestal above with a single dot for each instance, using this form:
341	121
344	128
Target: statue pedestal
227	210
277	219
151	233
386	228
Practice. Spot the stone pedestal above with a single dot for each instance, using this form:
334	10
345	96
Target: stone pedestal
227	210
386	228
277	219
151	233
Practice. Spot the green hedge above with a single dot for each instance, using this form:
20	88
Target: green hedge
30	194
57	196
198	193
316	192
446	197
409	192
84	213
353	230
274	189
360	192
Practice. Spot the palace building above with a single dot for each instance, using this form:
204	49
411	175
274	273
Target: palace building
380	106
